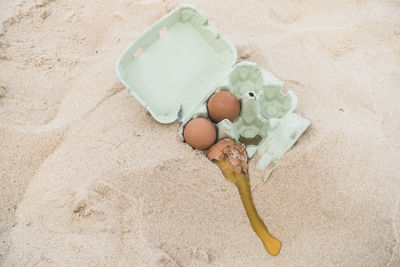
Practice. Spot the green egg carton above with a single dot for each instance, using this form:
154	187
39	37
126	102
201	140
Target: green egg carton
179	62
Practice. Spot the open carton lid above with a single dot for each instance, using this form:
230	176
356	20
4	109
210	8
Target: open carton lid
174	66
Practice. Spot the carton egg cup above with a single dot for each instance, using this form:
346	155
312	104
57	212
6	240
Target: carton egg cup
178	63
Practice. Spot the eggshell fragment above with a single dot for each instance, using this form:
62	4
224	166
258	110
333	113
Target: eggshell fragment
200	133
223	105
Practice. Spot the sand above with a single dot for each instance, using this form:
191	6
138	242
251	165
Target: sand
88	177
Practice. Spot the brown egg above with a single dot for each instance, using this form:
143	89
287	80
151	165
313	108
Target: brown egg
223	105
200	133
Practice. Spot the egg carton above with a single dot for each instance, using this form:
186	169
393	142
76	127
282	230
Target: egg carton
179	62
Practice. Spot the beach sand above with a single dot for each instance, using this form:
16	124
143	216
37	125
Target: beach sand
88	177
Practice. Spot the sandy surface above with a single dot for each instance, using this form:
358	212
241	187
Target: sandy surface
87	177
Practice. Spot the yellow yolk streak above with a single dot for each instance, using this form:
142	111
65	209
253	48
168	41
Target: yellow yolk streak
242	182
